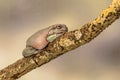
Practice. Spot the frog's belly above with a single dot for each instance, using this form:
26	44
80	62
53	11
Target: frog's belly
39	44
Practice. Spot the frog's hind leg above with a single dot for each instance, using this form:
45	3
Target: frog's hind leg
28	51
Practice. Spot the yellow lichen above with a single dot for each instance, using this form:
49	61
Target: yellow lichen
78	35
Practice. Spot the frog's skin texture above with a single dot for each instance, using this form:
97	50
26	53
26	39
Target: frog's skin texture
40	39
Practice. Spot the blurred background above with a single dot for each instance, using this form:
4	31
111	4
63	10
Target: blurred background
97	60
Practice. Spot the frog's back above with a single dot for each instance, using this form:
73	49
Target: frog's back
36	39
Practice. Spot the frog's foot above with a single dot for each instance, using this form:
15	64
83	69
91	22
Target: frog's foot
28	51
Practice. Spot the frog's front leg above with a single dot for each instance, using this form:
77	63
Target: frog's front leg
51	38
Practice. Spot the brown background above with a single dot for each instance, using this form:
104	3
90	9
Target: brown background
98	60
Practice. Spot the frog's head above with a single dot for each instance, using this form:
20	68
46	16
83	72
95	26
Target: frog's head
56	31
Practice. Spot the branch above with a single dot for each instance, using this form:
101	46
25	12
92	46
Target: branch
65	43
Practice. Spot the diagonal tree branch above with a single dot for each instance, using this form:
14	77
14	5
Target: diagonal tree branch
65	43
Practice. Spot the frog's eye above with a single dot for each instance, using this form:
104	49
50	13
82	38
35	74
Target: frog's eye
59	27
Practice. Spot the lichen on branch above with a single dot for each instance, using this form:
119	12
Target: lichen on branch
65	43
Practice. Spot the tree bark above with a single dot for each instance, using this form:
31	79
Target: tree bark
63	44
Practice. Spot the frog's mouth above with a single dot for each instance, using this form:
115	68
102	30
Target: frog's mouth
61	31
